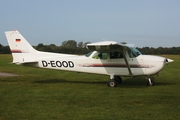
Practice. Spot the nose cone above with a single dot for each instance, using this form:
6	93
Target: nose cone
167	61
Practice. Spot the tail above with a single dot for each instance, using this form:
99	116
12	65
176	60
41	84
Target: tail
21	50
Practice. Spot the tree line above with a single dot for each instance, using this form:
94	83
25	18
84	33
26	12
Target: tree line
79	48
160	50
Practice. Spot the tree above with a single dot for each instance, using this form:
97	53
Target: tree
53	48
4	49
70	43
41	47
80	45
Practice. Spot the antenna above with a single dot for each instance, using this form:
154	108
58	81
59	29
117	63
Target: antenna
123	43
104	39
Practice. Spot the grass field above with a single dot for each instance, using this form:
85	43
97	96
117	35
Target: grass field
47	94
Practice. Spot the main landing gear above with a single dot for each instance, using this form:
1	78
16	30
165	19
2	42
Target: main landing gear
114	82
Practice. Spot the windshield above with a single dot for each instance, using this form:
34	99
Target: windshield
135	51
89	54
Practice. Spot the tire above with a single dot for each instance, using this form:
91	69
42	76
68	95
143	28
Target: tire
112	83
118	79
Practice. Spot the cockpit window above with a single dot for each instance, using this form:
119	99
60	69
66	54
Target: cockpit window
102	55
116	55
96	56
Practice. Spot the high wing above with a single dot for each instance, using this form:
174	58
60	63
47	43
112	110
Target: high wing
105	46
111	46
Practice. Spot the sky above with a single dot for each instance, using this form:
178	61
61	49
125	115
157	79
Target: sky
152	23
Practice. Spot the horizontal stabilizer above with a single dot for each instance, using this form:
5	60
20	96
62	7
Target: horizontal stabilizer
25	62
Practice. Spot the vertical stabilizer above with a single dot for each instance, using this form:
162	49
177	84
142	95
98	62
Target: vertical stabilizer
21	50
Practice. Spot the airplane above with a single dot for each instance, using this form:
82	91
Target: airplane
107	58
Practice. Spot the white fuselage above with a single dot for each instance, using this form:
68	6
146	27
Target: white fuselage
142	65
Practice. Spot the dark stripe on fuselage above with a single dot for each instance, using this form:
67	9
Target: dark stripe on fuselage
117	65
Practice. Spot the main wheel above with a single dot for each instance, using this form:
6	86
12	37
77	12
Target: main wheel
112	83
118	79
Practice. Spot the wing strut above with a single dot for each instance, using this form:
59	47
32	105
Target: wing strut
125	58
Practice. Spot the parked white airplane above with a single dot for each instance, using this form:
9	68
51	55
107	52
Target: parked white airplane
108	58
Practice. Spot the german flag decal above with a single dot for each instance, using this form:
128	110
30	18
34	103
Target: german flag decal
18	40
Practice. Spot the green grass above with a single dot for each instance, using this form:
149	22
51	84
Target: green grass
48	94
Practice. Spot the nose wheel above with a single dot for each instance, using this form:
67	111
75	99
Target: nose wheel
150	82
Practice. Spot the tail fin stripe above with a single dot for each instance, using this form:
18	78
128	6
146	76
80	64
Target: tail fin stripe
16	51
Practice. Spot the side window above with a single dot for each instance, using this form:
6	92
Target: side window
103	55
116	55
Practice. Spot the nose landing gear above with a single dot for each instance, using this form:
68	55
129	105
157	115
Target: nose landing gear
150	82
